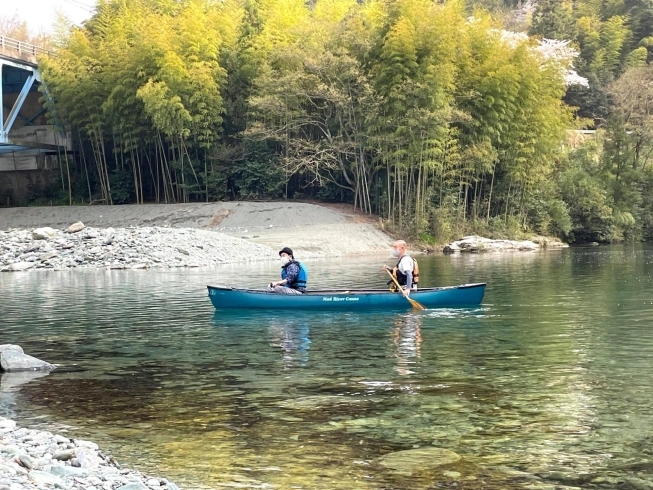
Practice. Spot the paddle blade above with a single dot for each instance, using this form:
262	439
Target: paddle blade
416	305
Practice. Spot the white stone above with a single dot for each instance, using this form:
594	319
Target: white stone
63	470
19	266
133	486
87	444
87	458
45	478
75	227
6	469
44	233
6	424
13	347
15	361
49	255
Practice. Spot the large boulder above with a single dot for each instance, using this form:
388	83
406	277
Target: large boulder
75	227
12	361
475	243
44	233
451	248
17	348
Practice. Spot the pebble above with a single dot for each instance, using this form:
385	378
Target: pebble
98	471
124	248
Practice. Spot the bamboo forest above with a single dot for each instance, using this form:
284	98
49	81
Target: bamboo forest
442	118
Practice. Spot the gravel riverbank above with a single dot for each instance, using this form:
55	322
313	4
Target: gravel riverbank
181	235
124	248
39	460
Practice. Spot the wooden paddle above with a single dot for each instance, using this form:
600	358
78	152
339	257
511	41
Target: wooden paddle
416	305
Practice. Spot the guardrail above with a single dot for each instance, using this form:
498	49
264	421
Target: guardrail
21	47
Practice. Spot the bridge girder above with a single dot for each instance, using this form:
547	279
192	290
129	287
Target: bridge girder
18	79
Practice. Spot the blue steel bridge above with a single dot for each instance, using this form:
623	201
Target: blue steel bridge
29	146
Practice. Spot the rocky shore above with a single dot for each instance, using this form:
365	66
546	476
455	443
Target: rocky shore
476	244
198	234
39	460
123	248
180	235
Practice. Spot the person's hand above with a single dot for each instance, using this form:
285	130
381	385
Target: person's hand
405	292
386	268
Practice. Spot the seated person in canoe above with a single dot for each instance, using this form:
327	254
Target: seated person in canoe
406	272
293	275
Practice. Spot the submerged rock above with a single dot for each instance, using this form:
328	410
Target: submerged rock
417	459
12	380
318	401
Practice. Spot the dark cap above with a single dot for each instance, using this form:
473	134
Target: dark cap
286	250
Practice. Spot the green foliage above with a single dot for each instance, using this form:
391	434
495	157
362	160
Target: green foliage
45	195
257	179
554	19
646	212
122	187
437	121
584	191
637	58
215	184
549	215
589	207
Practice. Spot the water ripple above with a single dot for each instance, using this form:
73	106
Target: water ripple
547	383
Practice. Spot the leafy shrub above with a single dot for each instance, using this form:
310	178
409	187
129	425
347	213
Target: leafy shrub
257	179
122	186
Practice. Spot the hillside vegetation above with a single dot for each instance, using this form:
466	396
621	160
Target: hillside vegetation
430	114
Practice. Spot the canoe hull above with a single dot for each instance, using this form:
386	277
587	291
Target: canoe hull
454	296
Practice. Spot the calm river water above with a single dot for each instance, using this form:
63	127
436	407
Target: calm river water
549	382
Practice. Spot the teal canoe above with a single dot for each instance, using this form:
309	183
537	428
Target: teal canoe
352	299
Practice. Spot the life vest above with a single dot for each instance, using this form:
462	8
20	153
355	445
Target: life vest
401	277
300	280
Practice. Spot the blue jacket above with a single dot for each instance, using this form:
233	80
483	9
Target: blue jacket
296	275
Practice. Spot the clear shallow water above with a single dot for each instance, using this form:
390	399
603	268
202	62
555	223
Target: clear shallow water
547	383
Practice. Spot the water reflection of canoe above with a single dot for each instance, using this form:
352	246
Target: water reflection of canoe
353	299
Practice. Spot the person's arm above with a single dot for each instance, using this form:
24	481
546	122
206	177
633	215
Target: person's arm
409	279
292	271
